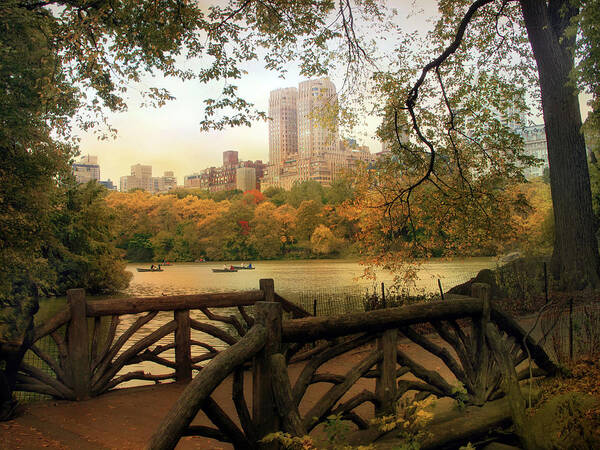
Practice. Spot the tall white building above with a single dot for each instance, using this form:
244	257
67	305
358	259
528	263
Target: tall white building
311	150
283	126
86	169
317	118
535	144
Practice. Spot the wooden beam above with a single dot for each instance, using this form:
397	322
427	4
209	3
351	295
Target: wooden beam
322	408
183	352
169	303
52	324
297	311
282	392
385	386
268	314
512	328
313	328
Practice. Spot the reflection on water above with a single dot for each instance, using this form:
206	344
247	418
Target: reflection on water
291	277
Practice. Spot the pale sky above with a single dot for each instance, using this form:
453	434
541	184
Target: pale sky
169	138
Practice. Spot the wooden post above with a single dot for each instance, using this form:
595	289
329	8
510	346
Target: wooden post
383	302
183	352
78	344
482	291
510	386
385	386
441	290
269	315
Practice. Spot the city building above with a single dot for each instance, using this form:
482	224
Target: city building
317	118
164	183
534	141
225	178
86	169
108	184
245	178
283	124
141	178
304	140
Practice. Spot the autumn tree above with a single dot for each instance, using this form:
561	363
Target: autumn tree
308	217
309	190
267	234
323	241
486	54
508	37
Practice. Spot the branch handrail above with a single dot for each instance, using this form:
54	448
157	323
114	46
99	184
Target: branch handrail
91	371
315	328
135	305
199	389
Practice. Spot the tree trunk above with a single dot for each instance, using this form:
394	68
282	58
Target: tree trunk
575	260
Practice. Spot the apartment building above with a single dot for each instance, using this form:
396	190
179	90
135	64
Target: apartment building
226	177
86	169
141	178
312	149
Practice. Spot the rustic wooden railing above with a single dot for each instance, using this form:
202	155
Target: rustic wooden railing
90	355
480	346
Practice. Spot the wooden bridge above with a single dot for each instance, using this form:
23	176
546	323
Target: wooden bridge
478	345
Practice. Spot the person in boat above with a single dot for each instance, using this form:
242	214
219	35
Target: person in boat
231	267
152	267
250	266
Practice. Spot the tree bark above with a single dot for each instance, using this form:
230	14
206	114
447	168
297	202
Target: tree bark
575	260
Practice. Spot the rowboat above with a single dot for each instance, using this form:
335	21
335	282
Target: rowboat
139	269
224	270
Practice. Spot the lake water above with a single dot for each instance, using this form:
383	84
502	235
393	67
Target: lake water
294	280
293	277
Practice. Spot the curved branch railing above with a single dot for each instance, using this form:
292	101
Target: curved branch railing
459	333
197	396
91	354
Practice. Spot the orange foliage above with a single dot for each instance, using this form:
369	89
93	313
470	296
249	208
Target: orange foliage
394	234
258	196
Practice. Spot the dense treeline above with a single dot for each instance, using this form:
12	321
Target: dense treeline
309	221
188	225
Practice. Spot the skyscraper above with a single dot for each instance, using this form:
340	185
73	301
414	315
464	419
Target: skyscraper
304	141
317	117
283	126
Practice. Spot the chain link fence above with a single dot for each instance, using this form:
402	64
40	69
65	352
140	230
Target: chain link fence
47	346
